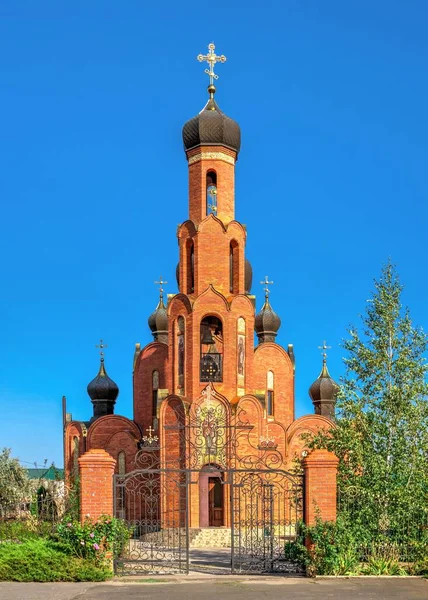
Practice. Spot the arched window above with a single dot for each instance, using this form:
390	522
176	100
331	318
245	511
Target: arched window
240	344
190	266
234	267
180	354
75	452
211	193
269	393
211	337
155	392
121	463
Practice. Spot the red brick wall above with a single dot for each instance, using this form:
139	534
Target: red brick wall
96	484
225	184
154	356
272	357
320	471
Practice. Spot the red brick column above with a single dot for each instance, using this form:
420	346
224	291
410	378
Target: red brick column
96	484
320	471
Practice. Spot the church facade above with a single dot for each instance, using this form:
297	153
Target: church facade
212	392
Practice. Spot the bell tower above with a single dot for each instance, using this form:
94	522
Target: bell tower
212	253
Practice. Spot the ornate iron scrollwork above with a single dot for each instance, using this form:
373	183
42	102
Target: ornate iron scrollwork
211	367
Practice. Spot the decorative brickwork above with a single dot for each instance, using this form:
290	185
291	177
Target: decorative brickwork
96	484
320	469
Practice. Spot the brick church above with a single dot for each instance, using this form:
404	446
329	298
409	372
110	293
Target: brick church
204	364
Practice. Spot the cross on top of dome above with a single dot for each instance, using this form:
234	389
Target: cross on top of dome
324	347
266	283
211	58
101	346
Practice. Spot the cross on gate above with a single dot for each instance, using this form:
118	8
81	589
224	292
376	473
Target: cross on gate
211	58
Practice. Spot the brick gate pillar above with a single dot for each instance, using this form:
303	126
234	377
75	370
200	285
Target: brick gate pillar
96	469
320	472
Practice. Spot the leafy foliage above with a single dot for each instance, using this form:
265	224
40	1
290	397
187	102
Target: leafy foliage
381	436
43	560
14	482
93	540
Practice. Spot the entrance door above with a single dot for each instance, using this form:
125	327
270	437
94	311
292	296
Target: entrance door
215	501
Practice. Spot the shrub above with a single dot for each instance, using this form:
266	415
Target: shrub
42	560
18	530
333	548
93	539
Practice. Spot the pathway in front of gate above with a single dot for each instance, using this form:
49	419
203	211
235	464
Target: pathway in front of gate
271	588
215	561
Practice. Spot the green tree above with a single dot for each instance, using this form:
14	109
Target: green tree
14	482
381	436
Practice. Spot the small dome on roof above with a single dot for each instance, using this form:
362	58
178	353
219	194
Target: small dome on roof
323	392
158	322
267	322
103	387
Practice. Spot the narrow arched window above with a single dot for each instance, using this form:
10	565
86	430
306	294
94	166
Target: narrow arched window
240	346
155	392
190	267
121	463
234	267
211	184
75	456
180	354
211	336
269	393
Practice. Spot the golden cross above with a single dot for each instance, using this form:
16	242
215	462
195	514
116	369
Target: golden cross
211	58
160	283
324	347
266	283
150	430
101	346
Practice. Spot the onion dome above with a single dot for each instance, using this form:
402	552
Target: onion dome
158	322
248	276
267	322
103	392
323	392
211	127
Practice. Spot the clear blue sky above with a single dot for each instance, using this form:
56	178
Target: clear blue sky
332	100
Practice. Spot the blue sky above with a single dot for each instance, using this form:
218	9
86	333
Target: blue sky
332	102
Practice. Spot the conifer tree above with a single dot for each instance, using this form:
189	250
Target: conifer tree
381	436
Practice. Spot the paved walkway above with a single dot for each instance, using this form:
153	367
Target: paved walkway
226	588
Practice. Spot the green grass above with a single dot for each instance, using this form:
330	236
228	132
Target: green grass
43	560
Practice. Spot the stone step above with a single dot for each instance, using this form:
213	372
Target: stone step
211	537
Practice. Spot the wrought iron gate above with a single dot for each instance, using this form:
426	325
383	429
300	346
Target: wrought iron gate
266	507
263	503
154	503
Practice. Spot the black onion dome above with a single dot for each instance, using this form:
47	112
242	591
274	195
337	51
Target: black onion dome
248	276
267	323
103	387
324	388
158	320
212	127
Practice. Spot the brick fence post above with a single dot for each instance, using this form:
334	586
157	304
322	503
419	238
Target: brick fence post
320	472
96	484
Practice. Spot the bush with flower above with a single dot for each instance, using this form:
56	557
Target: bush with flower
93	539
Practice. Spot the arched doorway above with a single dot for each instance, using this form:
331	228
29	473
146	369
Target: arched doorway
211	497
